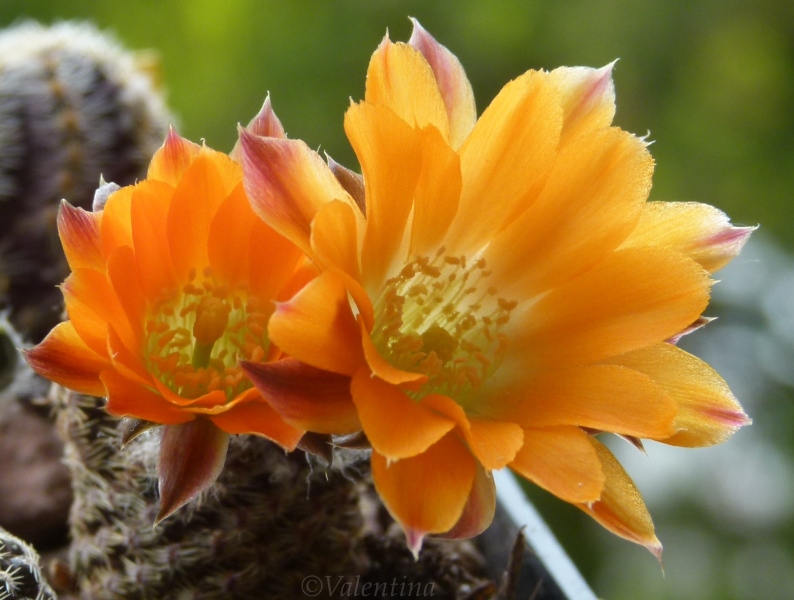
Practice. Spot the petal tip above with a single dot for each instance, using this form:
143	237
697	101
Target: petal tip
414	539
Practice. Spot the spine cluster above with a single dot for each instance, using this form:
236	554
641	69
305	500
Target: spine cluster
20	571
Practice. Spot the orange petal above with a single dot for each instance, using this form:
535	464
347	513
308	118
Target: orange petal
437	193
234	219
493	443
591	202
91	327
63	357
81	237
211	403
400	79
452	83
272	262
397	426
253	415
562	461
287	184
303	272
123	276
506	159
334	237
265	123
191	458
390	153
636	297
172	159
479	510
116	220
306	397
128	364
700	231
587	97
318	327
91	304
382	368
621	508
149	216
196	200
600	397
708	413
127	398
428	492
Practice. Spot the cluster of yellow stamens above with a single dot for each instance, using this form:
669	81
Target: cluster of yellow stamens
439	317
195	340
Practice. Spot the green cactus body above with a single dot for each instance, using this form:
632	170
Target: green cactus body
73	106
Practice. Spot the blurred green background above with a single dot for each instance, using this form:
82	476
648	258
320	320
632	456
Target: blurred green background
713	83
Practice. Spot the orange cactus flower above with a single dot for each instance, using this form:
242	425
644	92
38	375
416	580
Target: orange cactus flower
504	292
173	282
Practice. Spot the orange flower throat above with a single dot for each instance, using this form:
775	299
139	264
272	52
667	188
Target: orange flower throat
440	317
195	339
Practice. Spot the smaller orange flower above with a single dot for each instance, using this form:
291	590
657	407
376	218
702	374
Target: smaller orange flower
172	283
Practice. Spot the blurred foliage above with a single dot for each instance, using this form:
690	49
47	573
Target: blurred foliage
711	80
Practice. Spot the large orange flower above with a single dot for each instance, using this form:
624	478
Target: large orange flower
496	292
173	282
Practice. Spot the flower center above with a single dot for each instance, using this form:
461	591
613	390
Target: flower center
195	339
439	317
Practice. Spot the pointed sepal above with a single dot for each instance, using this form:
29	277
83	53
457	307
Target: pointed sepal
318	444
191	458
265	124
131	428
478	513
305	396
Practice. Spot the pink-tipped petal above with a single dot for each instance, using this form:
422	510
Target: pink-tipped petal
304	396
172	159
64	358
588	99
287	183
700	231
191	458
265	124
81	237
399	79
707	412
452	82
